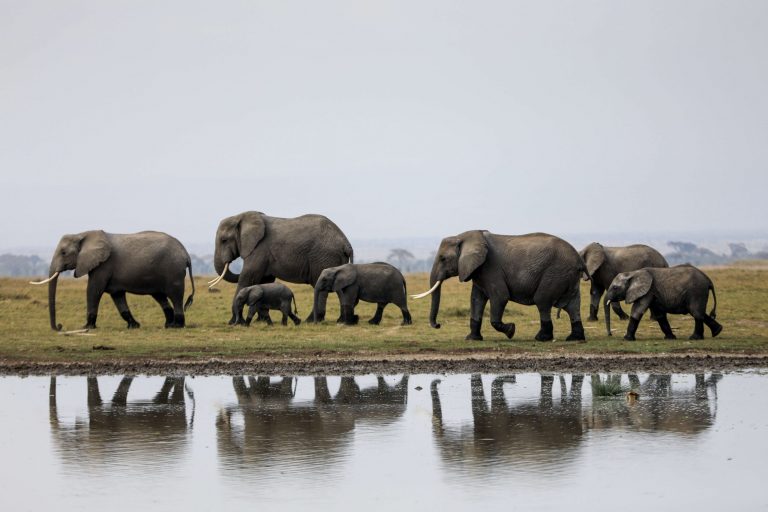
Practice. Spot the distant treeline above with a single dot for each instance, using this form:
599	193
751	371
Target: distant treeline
684	252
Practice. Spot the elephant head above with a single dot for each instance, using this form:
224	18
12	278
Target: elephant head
332	279
236	237
82	253
459	255
629	286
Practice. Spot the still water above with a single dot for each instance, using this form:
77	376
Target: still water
419	442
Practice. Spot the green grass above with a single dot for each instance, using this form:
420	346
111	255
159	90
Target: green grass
25	334
609	387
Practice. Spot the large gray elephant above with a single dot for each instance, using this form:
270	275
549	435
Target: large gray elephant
145	263
294	250
681	290
379	282
530	269
605	263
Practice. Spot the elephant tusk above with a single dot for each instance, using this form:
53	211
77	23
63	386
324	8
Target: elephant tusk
420	295
214	282
54	276
608	302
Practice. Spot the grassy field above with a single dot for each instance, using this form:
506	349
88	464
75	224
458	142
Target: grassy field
25	334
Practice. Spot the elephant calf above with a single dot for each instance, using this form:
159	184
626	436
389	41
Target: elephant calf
370	282
681	290
261	298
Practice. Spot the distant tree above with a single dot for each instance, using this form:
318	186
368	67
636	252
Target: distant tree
402	259
739	251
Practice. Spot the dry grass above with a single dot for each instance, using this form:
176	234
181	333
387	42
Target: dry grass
25	333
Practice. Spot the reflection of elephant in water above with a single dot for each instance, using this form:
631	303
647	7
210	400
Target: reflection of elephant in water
660	407
267	425
541	433
146	263
534	269
293	250
141	428
548	431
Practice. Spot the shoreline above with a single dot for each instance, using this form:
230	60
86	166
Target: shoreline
389	364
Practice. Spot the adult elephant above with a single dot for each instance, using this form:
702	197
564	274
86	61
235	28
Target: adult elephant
296	250
145	263
605	263
530	269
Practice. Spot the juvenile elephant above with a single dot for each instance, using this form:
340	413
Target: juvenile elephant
145	263
681	290
370	282
263	297
530	269
294	250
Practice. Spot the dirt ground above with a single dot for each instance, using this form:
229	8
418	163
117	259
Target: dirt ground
396	364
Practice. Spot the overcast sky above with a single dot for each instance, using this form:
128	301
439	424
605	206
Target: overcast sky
394	118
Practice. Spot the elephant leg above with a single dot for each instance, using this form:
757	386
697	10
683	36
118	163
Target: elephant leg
121	393
661	318
546	331
93	294
577	328
252	311
406	316
477	303
376	320
177	301
284	320
497	312
162	299
638	310
713	325
616	306
264	313
122	307
698	329
595	292
348	314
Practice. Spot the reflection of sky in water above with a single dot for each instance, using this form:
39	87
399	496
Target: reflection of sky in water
353	444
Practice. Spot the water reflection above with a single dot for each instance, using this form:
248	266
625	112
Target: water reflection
123	433
269	426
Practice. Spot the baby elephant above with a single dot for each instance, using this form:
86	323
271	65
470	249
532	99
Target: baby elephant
681	290
370	282
260	299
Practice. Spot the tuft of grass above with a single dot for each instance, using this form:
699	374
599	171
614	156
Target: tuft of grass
25	334
609	387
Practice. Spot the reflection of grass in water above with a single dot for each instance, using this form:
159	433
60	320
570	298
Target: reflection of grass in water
611	386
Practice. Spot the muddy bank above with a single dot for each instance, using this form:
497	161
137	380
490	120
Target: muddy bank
409	364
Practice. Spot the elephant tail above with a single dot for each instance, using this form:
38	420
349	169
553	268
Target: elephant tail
295	308
192	280
713	313
349	253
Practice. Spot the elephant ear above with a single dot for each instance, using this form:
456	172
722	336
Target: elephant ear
639	286
252	229
472	253
94	250
345	276
594	257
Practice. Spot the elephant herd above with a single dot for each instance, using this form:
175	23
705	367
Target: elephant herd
532	269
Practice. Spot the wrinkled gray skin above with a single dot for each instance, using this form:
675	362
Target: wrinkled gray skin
145	263
680	290
380	283
605	263
263	297
294	250
534	269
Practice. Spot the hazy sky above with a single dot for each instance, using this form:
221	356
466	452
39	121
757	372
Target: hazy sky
394	118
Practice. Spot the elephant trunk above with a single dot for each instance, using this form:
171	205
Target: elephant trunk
218	264
317	304
435	307
608	317
52	300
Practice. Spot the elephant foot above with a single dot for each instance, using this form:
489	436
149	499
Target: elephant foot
297	321
473	337
134	325
696	336
629	337
311	318
577	332
507	329
546	332
374	321
176	325
89	326
670	337
232	321
716	329
591	318
623	316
